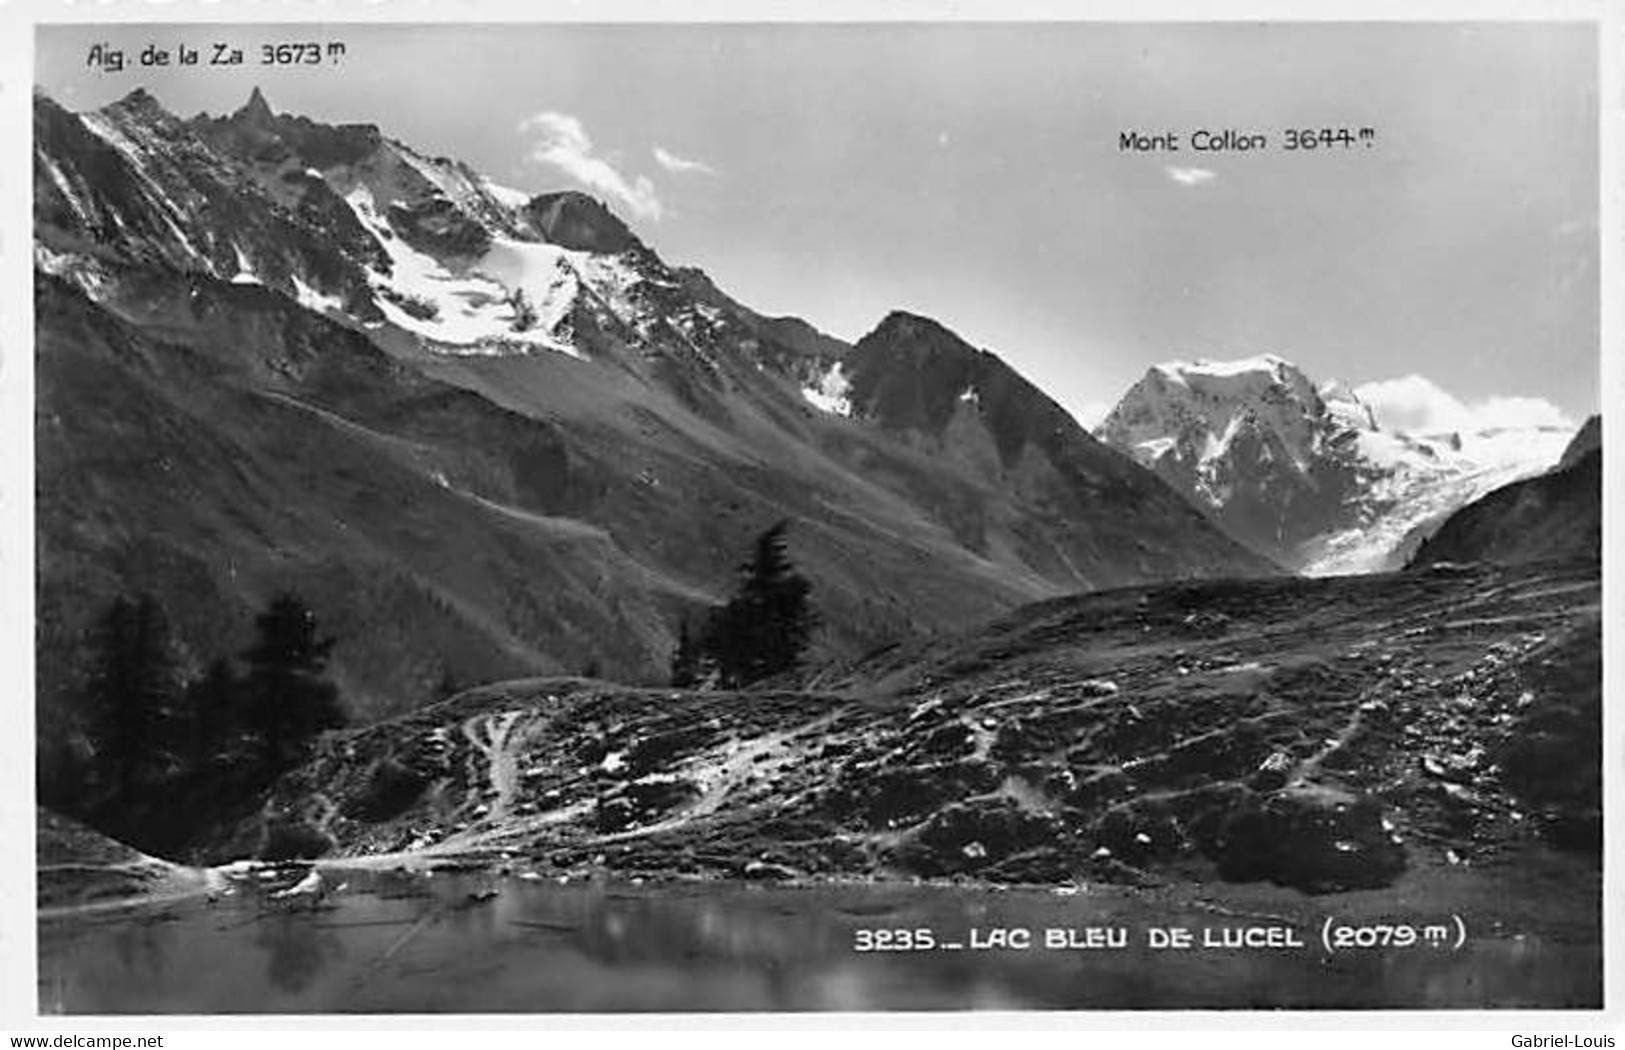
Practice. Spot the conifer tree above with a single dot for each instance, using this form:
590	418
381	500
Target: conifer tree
685	662
289	699
133	686
766	627
211	722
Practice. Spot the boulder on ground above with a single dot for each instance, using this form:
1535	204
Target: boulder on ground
1138	833
767	871
1272	773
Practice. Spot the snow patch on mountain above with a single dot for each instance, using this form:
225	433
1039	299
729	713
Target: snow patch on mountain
80	209
84	272
505	195
541	273
1203	371
614	283
517	294
832	392
245	272
311	299
100	125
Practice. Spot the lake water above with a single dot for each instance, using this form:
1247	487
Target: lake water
414	944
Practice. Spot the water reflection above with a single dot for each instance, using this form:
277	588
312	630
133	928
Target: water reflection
141	949
414	944
296	950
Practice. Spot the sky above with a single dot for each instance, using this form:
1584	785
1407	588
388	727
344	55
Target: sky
1447	267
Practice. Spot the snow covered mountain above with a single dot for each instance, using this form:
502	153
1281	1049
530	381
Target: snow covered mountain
487	433
348	223
1308	475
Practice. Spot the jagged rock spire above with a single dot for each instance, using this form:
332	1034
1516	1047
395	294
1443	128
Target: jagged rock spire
256	109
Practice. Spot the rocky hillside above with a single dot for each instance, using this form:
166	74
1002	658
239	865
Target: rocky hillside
1309	475
1557	515
489	433
1322	734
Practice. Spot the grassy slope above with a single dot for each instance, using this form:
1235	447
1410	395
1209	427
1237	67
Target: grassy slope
499	517
213	491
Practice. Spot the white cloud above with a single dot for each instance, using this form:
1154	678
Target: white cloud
1190	176
682	165
1417	404
561	142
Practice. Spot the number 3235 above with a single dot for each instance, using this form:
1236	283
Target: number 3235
893	940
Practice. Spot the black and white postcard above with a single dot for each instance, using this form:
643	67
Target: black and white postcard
547	514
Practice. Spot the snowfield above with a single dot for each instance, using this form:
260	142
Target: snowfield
483	309
831	393
505	195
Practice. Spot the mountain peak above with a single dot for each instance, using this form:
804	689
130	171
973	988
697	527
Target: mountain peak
1346	406
256	110
140	102
902	325
580	222
1303	473
909	318
1228	384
